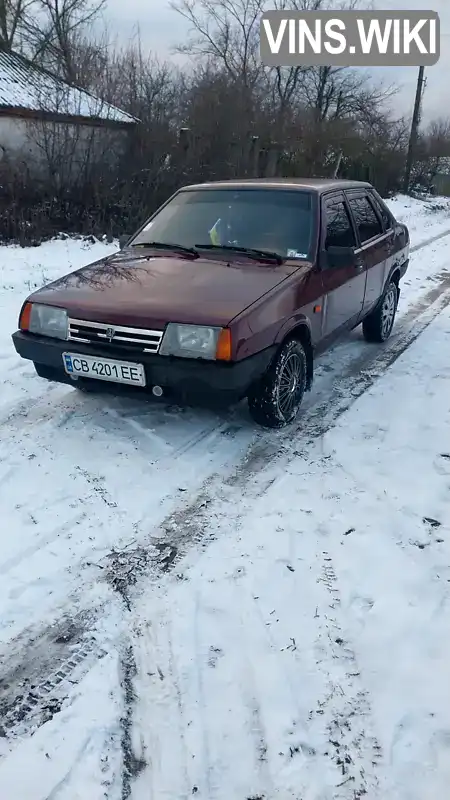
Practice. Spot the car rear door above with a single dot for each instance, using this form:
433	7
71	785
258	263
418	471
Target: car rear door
396	235
375	243
343	286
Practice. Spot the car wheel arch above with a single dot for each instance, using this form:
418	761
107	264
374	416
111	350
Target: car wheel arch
301	332
393	277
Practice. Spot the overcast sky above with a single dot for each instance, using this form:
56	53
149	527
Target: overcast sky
161	28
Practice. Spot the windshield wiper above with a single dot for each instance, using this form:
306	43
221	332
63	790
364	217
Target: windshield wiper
178	248
252	252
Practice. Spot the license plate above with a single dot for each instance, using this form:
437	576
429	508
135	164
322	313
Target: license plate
104	369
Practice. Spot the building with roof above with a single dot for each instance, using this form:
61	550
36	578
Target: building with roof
48	124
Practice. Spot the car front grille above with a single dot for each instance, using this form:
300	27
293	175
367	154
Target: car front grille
145	341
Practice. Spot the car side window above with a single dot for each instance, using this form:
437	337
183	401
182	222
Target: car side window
365	218
383	212
339	227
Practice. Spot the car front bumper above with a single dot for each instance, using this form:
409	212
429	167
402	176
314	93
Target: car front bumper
191	381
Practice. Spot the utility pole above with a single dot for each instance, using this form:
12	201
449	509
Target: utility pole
414	130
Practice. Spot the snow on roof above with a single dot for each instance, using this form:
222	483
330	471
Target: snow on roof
27	87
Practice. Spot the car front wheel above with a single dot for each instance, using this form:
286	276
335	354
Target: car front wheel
275	401
377	326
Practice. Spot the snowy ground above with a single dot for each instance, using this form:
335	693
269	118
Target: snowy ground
190	606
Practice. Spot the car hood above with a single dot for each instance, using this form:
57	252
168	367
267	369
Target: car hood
150	291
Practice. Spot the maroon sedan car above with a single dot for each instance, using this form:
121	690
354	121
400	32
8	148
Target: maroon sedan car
227	291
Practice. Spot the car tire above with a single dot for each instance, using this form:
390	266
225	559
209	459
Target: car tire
275	401
377	326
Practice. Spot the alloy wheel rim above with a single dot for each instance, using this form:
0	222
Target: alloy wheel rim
388	312
289	387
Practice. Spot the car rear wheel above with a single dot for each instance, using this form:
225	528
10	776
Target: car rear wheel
377	327
275	401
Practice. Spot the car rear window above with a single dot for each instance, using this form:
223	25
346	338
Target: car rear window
281	221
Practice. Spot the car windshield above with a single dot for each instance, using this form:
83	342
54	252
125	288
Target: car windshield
275	220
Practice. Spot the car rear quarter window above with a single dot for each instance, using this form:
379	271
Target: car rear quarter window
339	232
383	212
366	220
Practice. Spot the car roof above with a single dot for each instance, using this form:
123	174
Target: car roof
318	185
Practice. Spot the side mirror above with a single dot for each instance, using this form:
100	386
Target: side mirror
123	240
341	256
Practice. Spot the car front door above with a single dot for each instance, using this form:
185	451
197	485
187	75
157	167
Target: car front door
375	244
343	285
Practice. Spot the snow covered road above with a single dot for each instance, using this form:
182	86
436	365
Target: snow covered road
301	642
305	655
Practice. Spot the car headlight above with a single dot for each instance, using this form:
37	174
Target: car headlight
44	320
196	341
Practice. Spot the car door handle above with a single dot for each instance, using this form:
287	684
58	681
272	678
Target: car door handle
359	265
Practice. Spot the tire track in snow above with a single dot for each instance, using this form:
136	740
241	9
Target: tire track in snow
132	766
35	679
207	766
42	541
189	525
269	455
346	710
180	717
167	453
429	241
348	748
371	365
14	410
143	739
255	720
259	735
340	715
194	522
262	449
42	700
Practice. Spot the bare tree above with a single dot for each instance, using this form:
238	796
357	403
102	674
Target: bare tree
433	153
226	33
235	114
75	135
56	28
437	136
14	18
288	81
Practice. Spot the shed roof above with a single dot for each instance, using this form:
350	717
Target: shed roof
26	87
